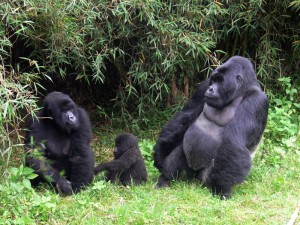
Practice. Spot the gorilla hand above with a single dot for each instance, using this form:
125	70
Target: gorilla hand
99	168
64	187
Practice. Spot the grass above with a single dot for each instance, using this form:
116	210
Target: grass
269	196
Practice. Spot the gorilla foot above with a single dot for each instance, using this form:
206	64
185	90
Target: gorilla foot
223	194
162	182
64	187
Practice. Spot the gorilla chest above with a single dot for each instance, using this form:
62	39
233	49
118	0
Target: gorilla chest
201	141
57	144
205	135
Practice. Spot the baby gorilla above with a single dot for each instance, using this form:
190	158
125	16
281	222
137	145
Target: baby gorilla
128	164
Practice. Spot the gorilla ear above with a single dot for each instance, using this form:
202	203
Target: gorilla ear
50	113
47	110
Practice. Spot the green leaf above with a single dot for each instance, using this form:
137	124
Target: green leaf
27	170
27	183
32	176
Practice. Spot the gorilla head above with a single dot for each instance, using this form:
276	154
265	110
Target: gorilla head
124	142
61	108
229	81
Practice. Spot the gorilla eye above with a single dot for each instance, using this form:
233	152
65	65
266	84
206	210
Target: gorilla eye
239	77
68	107
217	79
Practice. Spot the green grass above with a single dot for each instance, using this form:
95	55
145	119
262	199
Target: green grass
268	196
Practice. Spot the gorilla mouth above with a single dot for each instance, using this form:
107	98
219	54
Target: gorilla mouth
68	127
208	98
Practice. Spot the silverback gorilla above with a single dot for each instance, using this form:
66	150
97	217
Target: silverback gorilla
217	131
62	134
128	164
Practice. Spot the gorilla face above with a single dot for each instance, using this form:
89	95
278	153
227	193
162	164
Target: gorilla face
124	142
225	85
62	110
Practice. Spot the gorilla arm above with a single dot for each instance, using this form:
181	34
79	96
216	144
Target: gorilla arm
45	170
82	170
82	158
118	165
242	135
172	133
250	119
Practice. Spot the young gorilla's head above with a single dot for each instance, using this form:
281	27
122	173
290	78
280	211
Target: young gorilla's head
230	81
124	142
61	108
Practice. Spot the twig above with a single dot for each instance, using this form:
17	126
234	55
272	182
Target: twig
295	215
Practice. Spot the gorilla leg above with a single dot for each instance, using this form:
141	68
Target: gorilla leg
231	167
173	165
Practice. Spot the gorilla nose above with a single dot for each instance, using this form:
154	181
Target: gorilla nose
71	116
211	89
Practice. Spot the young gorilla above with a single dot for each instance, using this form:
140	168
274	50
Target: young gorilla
128	164
62	133
217	131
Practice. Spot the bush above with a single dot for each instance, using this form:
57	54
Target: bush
282	132
17	189
18	92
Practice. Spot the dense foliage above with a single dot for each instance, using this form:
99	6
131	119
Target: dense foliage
150	46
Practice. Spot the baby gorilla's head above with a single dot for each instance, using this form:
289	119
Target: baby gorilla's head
124	142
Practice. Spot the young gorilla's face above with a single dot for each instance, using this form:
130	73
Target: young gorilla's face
124	142
62	110
118	151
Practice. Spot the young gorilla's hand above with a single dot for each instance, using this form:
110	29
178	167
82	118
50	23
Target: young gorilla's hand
99	168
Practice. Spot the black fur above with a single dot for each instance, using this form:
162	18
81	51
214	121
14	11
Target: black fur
218	129
62	134
128	164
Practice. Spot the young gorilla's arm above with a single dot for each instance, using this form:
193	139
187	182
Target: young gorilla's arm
118	165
